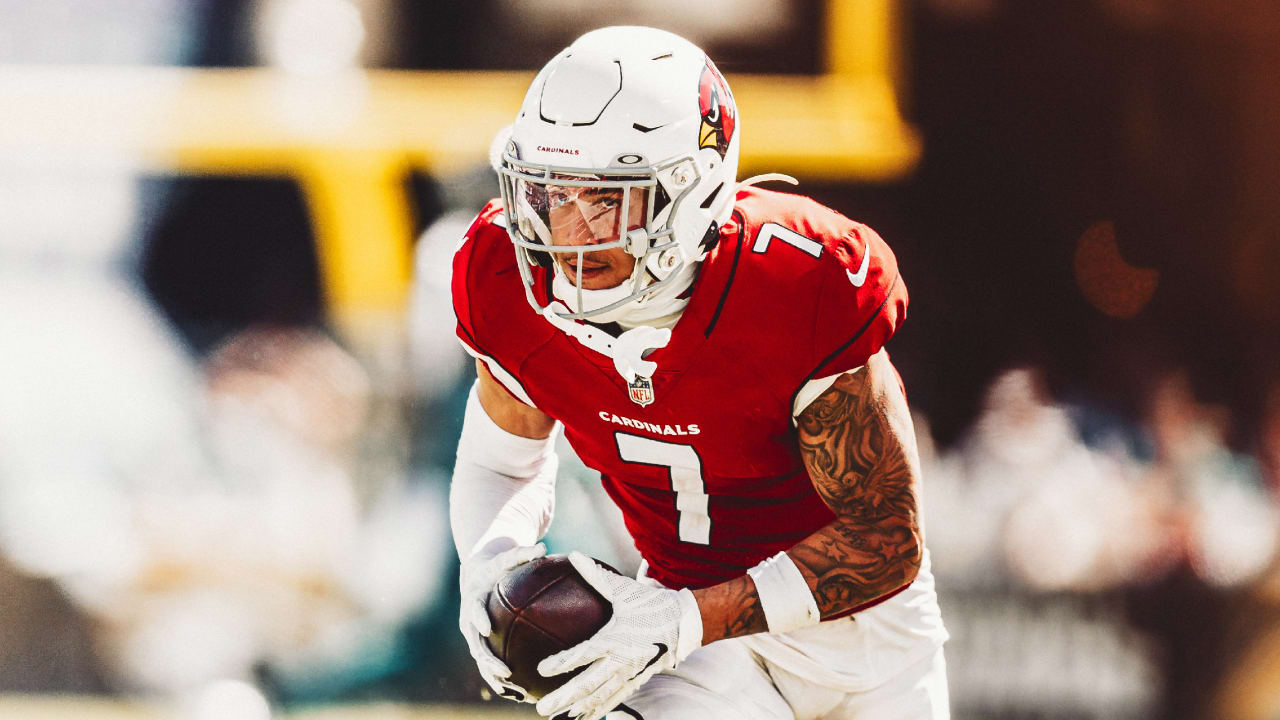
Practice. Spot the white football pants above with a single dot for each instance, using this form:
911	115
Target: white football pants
728	681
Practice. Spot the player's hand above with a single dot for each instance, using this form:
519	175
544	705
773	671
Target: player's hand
479	574
652	629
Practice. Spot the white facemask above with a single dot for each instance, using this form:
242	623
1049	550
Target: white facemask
661	309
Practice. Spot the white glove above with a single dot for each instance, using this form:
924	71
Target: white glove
479	574
651	630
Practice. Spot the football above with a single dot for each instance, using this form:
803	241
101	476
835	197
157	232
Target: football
539	609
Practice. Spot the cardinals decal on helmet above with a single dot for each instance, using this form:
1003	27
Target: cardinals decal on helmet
718	110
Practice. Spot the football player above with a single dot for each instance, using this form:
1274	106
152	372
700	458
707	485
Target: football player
715	350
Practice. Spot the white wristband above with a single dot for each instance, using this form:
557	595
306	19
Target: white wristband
690	637
784	595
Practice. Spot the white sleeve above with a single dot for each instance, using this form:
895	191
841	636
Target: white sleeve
503	489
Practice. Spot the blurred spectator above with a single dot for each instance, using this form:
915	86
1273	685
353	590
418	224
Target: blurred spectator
203	523
1211	500
278	564
1040	538
1029	529
1223	526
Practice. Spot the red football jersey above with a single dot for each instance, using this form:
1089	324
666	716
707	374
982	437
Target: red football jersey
708	474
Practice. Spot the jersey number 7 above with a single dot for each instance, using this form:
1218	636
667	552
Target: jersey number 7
769	231
685	467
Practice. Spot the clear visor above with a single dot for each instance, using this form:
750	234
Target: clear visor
563	218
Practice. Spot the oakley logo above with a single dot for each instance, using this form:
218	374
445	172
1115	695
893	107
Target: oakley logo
562	151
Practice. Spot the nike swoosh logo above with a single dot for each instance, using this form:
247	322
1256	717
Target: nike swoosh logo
861	276
662	650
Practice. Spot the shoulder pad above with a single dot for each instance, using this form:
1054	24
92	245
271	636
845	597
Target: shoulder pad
837	279
483	254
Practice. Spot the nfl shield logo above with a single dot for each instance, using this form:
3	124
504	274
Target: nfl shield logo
640	391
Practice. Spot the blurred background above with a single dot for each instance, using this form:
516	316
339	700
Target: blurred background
230	393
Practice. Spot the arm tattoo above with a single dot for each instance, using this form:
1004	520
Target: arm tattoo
858	445
730	609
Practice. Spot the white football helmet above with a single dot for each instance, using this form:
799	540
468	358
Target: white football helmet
623	117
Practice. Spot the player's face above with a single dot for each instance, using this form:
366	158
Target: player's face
591	216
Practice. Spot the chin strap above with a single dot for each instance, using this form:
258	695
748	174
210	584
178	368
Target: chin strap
627	350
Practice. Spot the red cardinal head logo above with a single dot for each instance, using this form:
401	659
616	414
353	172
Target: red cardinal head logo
719	113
